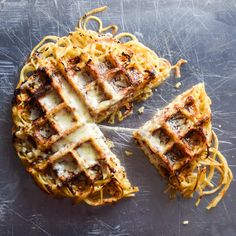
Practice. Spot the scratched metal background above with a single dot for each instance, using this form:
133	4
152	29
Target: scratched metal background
204	33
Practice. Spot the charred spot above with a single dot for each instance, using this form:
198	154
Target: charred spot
16	93
195	138
43	74
41	92
81	181
31	141
48	187
32	85
175	154
52	75
48	152
151	73
178	122
76	69
97	169
207	152
89	61
161	135
134	76
126	56
74	60
41	71
163	170
189	104
32	104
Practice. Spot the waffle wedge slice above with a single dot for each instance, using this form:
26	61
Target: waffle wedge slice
180	143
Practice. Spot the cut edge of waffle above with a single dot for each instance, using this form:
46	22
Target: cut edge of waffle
180	143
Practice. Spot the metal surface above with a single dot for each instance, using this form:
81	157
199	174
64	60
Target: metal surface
203	32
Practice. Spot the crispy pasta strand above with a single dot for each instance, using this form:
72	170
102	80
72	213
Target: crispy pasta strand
200	175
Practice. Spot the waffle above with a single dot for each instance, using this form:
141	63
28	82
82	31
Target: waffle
179	133
180	143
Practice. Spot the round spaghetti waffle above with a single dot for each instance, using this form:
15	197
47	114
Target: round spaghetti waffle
67	86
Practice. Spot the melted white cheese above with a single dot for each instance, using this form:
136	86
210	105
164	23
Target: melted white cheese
81	80
96	96
34	113
83	133
75	101
64	119
50	100
88	154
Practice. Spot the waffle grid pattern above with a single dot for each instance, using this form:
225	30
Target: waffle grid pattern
178	133
61	121
104	84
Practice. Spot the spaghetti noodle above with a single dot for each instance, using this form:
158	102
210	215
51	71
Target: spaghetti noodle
200	174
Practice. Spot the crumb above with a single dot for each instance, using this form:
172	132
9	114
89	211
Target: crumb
177	85
141	110
220	126
128	153
110	144
177	67
185	222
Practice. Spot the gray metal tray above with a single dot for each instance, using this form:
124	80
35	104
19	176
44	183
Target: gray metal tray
203	32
